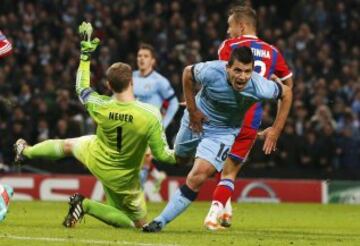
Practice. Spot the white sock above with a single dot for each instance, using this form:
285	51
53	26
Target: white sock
217	206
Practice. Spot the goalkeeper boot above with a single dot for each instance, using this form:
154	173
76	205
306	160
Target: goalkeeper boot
226	215
153	226
19	147
211	221
76	211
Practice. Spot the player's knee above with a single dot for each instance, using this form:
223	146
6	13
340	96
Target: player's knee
195	180
198	175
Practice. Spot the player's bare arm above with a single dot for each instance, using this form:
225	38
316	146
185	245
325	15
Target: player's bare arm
272	133
289	82
196	116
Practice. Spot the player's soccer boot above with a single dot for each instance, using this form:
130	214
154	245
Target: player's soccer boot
225	220
153	226
19	147
160	177
211	221
76	211
226	215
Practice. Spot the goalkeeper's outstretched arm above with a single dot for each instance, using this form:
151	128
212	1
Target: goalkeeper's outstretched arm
83	89
89	97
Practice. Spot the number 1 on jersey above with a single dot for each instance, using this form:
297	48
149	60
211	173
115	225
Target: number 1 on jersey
119	138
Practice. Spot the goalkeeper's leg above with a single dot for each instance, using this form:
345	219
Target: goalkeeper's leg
52	149
49	149
79	206
107	214
122	210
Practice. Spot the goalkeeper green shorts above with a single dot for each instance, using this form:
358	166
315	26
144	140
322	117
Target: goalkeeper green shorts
81	149
129	200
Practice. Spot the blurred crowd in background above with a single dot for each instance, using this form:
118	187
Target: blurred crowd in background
319	40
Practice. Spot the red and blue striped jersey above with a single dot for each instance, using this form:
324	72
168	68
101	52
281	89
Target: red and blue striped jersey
268	60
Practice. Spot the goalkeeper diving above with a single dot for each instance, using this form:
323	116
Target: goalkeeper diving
125	128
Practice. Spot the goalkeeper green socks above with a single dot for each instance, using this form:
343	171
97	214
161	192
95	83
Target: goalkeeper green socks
49	149
107	214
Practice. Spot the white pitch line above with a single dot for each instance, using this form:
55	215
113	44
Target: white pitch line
101	242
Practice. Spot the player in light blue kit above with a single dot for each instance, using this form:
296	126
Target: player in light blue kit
153	88
213	119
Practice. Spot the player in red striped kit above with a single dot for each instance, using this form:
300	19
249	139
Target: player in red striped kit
242	23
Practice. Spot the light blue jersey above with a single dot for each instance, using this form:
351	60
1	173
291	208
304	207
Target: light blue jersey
155	89
224	108
222	105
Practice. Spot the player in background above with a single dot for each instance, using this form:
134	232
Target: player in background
6	192
242	24
153	88
125	128
212	120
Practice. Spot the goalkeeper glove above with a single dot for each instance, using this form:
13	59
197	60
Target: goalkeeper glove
88	46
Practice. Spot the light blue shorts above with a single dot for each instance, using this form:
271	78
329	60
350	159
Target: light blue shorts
213	144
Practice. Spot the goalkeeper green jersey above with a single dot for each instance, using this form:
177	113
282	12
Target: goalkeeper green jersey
124	131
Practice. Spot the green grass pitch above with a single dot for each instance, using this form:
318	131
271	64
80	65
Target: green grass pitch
39	223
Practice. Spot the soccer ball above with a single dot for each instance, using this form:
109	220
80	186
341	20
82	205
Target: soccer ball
6	192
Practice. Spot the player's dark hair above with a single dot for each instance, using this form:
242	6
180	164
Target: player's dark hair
119	76
242	54
244	12
149	47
